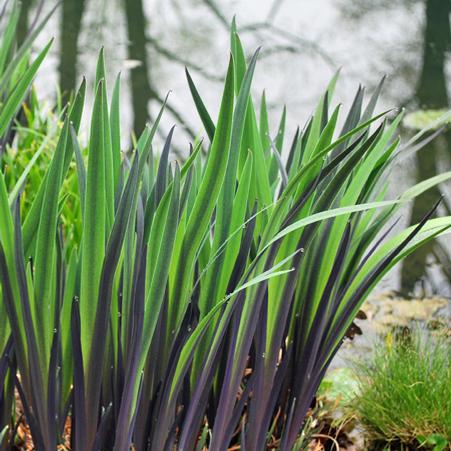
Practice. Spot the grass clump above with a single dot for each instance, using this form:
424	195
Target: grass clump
405	393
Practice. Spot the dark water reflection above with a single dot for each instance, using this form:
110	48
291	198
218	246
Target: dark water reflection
409	39
431	93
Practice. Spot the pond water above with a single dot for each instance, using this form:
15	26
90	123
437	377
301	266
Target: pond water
303	43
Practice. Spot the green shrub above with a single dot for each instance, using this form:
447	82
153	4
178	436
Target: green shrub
405	392
17	71
26	160
201	297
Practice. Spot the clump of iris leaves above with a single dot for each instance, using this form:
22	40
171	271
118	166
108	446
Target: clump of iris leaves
204	301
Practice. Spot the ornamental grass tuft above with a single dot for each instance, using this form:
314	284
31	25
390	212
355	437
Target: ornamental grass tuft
405	393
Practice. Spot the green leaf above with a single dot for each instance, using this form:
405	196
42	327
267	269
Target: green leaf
17	95
45	267
9	35
115	125
205	200
95	221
